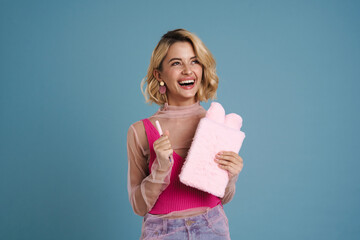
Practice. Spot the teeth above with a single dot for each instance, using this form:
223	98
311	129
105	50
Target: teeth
187	81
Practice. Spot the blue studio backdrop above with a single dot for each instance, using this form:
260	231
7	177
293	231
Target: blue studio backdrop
70	75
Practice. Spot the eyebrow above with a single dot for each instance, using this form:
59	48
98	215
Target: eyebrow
179	59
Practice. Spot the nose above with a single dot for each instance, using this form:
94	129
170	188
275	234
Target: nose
187	69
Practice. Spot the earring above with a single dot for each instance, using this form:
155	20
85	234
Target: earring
162	88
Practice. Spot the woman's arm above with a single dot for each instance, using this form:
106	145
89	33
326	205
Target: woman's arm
233	164
229	190
143	188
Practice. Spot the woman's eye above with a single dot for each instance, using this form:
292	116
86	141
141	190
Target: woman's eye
196	61
175	63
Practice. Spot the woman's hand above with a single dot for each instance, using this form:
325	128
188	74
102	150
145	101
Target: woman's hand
229	161
163	151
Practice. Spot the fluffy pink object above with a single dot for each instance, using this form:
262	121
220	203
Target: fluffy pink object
215	132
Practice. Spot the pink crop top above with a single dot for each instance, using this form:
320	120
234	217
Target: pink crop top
176	196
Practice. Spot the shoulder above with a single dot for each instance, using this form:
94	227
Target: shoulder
137	135
136	128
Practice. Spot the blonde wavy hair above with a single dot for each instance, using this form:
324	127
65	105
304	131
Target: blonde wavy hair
210	80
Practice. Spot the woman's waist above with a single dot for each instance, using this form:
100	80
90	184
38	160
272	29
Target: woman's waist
187	214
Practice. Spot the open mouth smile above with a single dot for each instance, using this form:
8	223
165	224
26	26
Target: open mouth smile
187	84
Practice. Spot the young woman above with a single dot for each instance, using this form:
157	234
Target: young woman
181	74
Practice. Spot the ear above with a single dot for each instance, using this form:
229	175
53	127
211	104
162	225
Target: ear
216	112
157	75
234	121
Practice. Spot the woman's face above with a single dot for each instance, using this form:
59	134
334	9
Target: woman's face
182	74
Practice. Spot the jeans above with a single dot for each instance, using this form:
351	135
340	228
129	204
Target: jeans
210	225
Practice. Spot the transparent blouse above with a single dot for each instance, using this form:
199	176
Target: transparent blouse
144	187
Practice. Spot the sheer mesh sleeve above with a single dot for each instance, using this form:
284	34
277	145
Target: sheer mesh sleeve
143	188
230	190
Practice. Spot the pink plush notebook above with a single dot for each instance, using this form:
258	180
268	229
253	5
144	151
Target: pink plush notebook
215	132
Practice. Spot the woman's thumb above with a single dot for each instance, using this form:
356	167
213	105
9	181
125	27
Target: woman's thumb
167	133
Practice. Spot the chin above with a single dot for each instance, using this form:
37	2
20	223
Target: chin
190	95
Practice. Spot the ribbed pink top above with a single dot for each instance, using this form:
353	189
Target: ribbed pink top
176	196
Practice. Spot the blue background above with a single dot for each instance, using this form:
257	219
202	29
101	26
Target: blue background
70	87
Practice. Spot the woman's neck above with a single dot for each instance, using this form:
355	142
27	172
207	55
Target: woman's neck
187	102
180	111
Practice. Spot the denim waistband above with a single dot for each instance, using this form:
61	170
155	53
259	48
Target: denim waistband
211	213
212	223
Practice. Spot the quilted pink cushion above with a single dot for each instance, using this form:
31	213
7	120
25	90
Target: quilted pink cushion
215	132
